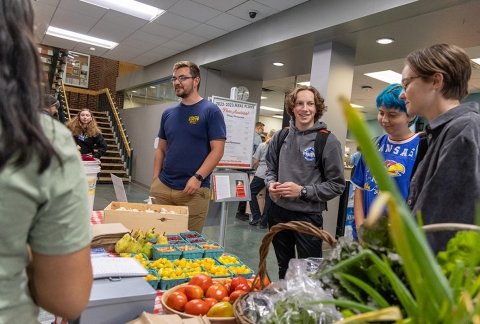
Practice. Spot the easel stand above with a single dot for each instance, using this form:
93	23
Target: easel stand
229	186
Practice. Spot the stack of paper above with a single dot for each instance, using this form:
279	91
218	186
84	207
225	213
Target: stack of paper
106	267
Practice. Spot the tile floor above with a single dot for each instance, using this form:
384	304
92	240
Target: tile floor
241	239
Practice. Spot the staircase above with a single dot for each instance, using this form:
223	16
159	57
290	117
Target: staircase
112	160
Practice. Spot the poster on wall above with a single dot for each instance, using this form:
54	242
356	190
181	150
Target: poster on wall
240	117
77	69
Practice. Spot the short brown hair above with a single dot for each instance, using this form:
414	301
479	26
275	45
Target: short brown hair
194	70
319	101
449	60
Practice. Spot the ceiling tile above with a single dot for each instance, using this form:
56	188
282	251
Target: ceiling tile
228	22
83	8
173	44
140	45
193	10
45	2
85	48
123	53
69	20
111	32
162	50
149	58
118	18
147	37
59	42
161	4
242	10
160	30
223	5
175	21
207	31
190	39
280	4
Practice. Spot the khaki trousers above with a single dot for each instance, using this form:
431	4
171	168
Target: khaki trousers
197	203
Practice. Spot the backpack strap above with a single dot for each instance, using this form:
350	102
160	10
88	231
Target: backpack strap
281	138
320	141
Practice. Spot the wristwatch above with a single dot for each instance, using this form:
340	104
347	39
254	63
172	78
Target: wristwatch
303	193
198	177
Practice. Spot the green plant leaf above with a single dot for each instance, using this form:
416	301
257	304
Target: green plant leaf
366	288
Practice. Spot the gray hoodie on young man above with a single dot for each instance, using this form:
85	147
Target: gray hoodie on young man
297	164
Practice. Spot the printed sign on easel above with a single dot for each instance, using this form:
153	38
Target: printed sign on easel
240	119
231	186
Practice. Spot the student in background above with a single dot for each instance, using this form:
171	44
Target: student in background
51	105
446	185
398	147
87	135
192	139
44	218
295	184
258	183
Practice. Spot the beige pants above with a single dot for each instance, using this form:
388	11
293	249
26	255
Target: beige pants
197	203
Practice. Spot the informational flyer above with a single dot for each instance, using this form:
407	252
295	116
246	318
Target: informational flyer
240	117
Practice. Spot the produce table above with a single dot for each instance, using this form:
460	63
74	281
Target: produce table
97	218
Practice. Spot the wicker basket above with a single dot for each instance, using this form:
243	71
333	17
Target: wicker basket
301	227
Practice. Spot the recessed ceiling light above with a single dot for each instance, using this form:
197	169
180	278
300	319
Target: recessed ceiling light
305	83
152	87
278	64
278	116
385	40
129	7
270	108
263	98
387	76
81	38
476	60
92	48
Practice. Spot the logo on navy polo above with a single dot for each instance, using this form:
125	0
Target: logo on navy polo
309	154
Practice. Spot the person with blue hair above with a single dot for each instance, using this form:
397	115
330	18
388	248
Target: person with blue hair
398	147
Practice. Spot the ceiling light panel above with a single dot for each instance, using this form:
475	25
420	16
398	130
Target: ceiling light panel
81	38
129	7
387	76
270	109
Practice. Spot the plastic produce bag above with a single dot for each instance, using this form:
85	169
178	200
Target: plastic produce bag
295	299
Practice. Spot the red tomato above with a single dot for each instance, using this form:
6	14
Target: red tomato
237	281
236	294
196	307
228	286
217	291
201	280
244	287
181	289
177	301
210	301
193	292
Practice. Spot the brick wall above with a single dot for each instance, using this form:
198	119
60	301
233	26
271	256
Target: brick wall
103	74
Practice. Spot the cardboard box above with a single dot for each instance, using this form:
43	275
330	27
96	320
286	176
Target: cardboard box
172	222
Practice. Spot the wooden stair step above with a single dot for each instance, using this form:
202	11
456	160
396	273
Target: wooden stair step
112	171
109	180
112	165
111	158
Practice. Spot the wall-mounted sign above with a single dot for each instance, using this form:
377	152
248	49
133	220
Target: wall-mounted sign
77	69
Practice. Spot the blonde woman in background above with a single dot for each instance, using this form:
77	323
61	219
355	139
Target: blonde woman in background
87	135
258	183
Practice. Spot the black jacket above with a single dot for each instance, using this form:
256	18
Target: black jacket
87	145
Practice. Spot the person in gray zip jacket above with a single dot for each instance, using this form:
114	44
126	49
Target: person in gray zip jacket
295	182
